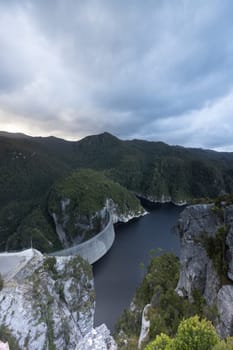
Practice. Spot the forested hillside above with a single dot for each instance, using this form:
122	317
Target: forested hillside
30	166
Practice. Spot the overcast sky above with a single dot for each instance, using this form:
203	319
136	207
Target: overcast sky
150	69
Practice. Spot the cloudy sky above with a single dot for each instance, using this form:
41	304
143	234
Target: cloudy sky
151	69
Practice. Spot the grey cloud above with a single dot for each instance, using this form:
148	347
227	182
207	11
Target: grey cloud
124	66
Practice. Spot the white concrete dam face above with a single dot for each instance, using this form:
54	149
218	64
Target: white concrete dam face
11	263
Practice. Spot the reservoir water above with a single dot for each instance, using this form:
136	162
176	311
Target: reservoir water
119	272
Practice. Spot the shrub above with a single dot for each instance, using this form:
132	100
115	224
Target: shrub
224	345
216	250
161	342
194	333
50	265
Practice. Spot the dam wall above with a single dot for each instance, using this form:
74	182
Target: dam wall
94	248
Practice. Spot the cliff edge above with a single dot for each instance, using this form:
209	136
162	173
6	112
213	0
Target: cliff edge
206	236
48	303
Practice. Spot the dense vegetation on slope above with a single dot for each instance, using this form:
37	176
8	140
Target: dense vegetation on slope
29	166
157	170
89	189
150	168
167	307
78	200
26	175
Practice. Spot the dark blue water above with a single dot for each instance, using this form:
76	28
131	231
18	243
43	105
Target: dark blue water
118	273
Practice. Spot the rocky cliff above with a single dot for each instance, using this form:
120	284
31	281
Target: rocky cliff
206	234
48	303
79	203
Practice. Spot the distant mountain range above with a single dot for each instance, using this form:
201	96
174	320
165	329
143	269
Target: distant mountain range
29	166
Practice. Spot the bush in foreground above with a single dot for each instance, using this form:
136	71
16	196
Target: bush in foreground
192	334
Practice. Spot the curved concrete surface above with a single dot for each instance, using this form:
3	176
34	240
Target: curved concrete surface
93	249
12	263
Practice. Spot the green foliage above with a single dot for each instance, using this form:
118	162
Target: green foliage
50	265
168	309
26	170
87	191
157	287
129	344
29	167
161	342
223	201
34	230
218	211
163	272
226	344
216	250
129	323
11	216
219	205
192	334
26	175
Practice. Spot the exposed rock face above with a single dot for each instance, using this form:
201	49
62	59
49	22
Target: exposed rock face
225	303
145	326
162	199
193	222
229	239
60	231
73	227
49	303
78	205
197	269
4	346
118	215
98	339
94	248
68	219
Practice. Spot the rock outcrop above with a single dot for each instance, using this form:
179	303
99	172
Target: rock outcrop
120	216
80	203
198	271
4	346
145	326
48	303
98	339
225	312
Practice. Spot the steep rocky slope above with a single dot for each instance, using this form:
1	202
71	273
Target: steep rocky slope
48	303
206	233
79	204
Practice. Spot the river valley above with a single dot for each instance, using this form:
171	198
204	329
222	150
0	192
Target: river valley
119	272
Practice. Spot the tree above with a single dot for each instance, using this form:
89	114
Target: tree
161	342
194	334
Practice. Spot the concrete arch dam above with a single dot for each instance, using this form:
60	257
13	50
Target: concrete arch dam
94	248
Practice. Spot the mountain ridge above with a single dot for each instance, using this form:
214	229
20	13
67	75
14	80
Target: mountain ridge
31	166
104	134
